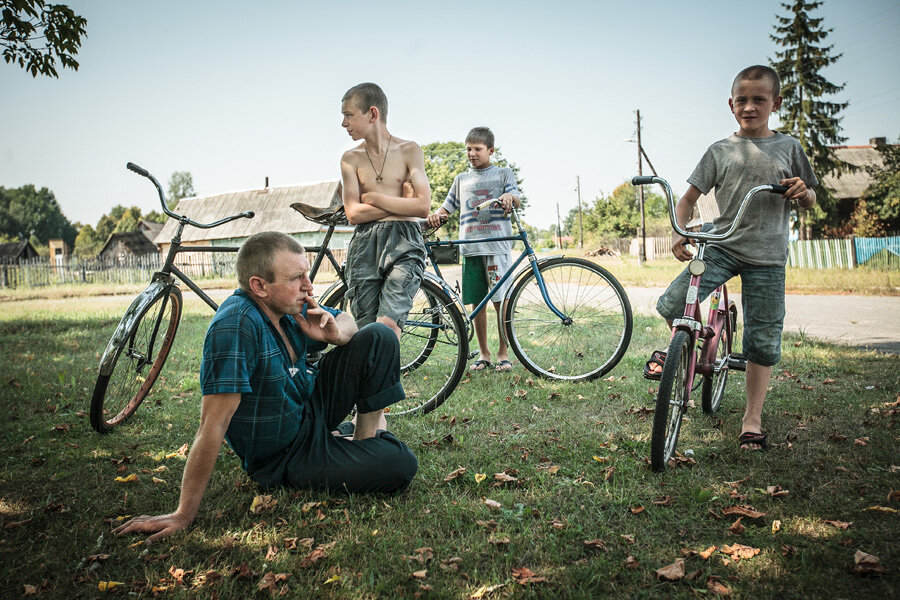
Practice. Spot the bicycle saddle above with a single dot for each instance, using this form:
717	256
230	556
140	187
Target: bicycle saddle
332	214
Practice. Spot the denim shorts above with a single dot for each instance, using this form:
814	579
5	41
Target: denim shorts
762	301
385	263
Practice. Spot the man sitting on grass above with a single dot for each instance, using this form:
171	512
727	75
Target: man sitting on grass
276	411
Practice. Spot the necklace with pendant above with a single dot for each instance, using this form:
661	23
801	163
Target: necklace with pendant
378	177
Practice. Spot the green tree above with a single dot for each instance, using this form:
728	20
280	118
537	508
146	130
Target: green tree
29	213
444	161
882	197
155	216
815	122
26	23
88	243
128	221
619	214
181	185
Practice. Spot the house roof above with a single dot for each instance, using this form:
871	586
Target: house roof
15	250
272	208
852	185
149	228
135	241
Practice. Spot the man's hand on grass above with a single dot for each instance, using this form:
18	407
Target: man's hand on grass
160	526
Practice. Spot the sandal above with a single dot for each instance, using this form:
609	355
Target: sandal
346	428
653	368
748	437
503	365
480	365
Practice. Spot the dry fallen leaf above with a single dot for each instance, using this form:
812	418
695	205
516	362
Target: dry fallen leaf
492	503
133	478
743	511
420	574
108	585
673	572
738	551
663	501
867	564
262	503
504	478
737	528
454	474
884	509
595	544
636	510
524	576
29	590
775	491
840	524
479	477
705	554
714	586
631	563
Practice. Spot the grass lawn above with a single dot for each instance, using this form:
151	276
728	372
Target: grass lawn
526	488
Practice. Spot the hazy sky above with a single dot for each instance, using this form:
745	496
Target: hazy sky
237	91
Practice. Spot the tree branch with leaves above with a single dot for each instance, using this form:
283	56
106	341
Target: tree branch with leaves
25	24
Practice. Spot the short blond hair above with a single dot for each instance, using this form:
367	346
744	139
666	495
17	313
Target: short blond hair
755	73
256	257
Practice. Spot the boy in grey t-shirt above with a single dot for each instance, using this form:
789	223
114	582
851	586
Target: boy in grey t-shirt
758	250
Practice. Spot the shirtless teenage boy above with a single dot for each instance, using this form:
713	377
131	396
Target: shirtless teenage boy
385	192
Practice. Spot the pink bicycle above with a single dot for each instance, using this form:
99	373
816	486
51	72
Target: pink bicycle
696	349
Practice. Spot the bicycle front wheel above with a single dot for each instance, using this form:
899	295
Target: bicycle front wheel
592	337
433	349
671	401
138	358
713	390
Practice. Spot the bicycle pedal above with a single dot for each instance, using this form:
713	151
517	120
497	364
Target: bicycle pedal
737	362
472	355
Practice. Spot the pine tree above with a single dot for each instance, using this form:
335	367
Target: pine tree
804	114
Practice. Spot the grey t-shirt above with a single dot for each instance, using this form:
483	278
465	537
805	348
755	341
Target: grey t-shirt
470	189
734	166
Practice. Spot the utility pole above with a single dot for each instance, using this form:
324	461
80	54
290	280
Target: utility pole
558	229
642	255
580	228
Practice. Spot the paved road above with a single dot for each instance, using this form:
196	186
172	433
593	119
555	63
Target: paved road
860	321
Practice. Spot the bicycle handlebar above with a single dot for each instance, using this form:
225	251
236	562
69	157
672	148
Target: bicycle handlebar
248	214
698	235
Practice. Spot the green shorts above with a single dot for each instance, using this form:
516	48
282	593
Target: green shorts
481	273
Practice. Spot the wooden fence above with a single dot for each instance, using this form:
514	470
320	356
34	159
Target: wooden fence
40	272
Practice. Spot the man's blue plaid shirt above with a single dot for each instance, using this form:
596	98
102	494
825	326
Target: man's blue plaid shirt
243	353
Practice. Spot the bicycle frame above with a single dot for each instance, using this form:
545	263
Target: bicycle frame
703	361
528	251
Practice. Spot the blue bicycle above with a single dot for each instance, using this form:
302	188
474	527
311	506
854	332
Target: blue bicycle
565	318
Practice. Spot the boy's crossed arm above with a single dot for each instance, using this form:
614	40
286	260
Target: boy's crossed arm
371	206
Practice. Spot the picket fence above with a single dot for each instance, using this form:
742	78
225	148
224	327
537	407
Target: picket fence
41	272
848	253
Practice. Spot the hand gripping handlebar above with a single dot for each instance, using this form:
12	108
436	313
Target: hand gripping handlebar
698	235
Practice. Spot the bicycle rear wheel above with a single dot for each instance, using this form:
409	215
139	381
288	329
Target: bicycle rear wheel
433	348
593	337
671	401
713	390
138	358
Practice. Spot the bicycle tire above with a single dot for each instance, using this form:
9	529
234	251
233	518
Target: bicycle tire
713	390
134	366
595	339
671	401
433	348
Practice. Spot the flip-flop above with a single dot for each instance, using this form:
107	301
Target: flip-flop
749	437
480	365
503	365
657	359
346	428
